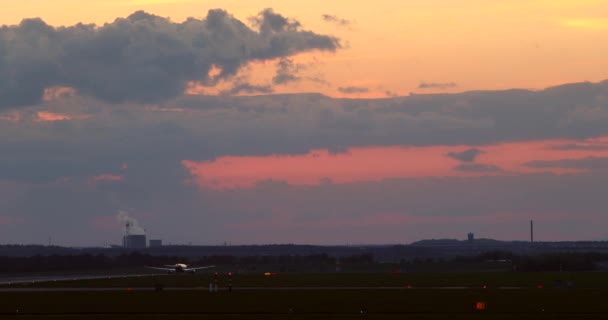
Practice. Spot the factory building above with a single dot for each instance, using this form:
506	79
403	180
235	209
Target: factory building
156	243
134	241
135	236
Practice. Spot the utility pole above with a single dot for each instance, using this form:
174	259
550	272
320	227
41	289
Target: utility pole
531	231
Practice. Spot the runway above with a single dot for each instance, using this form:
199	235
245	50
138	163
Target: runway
250	289
39	279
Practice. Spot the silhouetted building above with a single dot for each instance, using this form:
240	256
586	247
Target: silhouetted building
156	243
134	241
471	236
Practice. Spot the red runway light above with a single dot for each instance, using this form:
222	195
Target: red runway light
540	286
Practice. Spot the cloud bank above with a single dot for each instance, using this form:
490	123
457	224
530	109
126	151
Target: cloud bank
100	136
142	58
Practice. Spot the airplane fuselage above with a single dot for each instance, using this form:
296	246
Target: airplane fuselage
181	268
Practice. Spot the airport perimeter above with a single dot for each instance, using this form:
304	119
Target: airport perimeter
326	296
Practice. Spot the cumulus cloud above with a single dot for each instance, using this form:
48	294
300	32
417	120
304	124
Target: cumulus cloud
353	90
142	58
100	137
468	155
437	85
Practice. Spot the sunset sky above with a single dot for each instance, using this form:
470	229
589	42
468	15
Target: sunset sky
319	122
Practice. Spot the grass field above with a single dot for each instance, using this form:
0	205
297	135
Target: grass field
586	300
425	303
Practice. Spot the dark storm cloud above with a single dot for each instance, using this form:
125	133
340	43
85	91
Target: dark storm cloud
477	167
437	85
589	163
206	127
142	58
353	90
336	20
468	155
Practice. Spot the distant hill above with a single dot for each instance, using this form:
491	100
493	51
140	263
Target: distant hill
456	242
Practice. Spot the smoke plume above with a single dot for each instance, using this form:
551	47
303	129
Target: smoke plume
133	225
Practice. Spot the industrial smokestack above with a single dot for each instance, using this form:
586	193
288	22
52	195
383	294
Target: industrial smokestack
135	235
531	231
132	227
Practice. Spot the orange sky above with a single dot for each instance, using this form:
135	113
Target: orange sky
395	45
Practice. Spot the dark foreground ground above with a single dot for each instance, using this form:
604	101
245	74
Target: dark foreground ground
440	296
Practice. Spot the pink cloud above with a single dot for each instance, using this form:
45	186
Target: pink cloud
47	116
379	163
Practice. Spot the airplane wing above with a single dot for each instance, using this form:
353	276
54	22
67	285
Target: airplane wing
198	268
163	269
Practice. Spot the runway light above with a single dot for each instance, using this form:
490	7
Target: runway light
480	305
485	286
269	273
540	286
409	286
